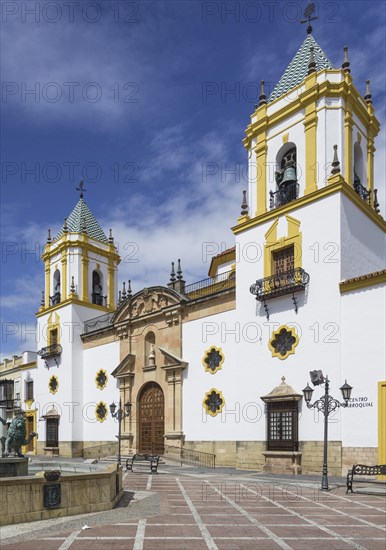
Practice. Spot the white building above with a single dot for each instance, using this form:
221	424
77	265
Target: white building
218	366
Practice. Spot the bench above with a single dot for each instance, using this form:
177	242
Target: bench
152	460
363	470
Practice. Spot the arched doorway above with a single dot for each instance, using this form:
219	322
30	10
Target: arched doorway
151	427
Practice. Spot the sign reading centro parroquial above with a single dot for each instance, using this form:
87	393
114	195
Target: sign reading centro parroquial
360	402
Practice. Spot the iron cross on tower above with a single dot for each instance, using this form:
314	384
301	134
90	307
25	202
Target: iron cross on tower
308	13
81	188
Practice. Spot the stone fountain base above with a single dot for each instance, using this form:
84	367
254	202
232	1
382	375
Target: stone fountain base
13	466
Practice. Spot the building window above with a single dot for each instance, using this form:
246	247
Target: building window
150	349
213	359
55	299
53	384
29	390
101	411
52	432
283	342
282	426
284	260
287	187
54	337
101	379
213	402
97	288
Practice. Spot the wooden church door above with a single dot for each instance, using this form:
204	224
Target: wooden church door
151	419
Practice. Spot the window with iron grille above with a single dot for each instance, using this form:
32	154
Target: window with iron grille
282	429
283	260
29	389
52	432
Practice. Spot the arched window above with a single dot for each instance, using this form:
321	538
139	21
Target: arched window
285	176
97	288
358	165
55	299
150	349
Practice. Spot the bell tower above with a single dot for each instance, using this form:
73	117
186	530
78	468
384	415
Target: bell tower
291	137
80	263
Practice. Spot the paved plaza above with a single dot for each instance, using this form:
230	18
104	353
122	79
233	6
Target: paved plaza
184	508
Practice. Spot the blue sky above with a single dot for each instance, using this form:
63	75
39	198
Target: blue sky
136	99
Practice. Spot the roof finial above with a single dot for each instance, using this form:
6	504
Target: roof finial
346	62
72	288
65	227
81	188
111	238
49	236
308	13
179	270
42	301
368	95
312	64
172	274
129	292
335	162
124	291
262	97
119	298
376	203
244	206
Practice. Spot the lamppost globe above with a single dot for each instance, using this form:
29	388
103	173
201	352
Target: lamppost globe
346	390
308	393
113	408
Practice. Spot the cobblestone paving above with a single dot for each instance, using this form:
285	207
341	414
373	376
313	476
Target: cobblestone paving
225	512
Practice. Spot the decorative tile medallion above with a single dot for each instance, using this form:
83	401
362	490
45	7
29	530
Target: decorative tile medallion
213	402
53	384
101	411
213	359
283	342
101	379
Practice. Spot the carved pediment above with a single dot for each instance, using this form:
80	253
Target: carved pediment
126	367
148	301
171	360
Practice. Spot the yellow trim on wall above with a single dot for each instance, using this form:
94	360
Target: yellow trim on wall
273	243
207	396
362	282
370	164
84	274
64	289
34	429
206	366
53	390
335	185
47	290
276	333
348	145
382	424
97	383
111	285
74	301
221	259
53	325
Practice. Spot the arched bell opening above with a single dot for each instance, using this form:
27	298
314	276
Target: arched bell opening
97	288
287	187
55	299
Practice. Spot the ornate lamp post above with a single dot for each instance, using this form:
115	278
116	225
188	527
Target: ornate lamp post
326	405
120	414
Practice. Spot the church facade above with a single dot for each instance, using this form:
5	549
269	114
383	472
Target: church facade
219	366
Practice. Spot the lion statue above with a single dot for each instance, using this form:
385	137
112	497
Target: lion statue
16	436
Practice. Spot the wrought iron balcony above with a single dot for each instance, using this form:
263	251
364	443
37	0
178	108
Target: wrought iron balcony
10	403
361	190
98	299
50	351
286	193
55	299
212	285
287	282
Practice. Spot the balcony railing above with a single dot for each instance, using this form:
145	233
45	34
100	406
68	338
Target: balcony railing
98	323
98	299
55	299
50	351
10	403
212	285
287	282
286	193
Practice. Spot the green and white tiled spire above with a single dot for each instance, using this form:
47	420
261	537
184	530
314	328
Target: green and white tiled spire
81	220
298	68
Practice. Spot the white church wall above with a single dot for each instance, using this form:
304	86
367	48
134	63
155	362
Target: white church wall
362	242
363	362
104	357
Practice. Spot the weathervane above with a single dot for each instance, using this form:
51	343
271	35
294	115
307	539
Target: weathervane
308	13
81	188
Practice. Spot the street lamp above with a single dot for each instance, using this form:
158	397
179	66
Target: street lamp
120	414
326	404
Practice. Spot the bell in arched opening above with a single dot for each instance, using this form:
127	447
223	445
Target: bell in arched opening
287	174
